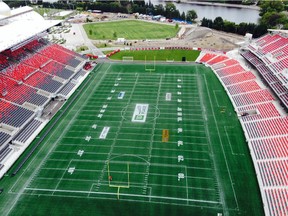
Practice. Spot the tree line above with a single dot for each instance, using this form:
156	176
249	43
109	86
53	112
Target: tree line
223	25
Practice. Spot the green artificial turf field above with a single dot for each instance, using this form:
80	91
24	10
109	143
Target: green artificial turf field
159	55
130	30
165	142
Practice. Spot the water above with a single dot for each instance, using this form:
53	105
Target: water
236	15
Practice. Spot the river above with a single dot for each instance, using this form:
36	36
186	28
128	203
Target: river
236	15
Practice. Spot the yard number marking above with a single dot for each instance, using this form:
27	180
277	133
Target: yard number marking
180	158
181	176
80	152
71	170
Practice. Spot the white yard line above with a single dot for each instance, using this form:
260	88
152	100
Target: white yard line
128	195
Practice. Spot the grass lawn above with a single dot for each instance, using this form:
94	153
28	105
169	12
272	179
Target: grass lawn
160	55
130	30
169	138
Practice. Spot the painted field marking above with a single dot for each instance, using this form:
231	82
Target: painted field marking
180	158
181	176
168	96
140	113
80	152
87	138
128	195
216	97
104	133
230	144
165	135
71	170
121	95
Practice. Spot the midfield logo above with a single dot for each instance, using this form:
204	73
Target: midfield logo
140	113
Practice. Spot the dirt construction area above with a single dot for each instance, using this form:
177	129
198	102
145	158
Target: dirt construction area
195	36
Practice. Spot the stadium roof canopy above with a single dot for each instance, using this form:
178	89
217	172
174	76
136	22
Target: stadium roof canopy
278	31
20	24
25	30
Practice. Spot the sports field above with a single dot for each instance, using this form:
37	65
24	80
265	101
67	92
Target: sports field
159	55
159	142
130	30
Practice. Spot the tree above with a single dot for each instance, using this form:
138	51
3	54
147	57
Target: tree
159	10
229	26
114	34
272	19
271	6
218	23
176	26
191	15
259	30
242	28
183	16
207	23
170	10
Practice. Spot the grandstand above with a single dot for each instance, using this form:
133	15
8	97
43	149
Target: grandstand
264	122
269	55
33	74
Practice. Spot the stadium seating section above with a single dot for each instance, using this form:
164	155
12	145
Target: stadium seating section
30	76
269	56
266	130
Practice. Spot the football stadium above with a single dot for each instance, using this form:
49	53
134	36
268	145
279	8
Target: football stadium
206	135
